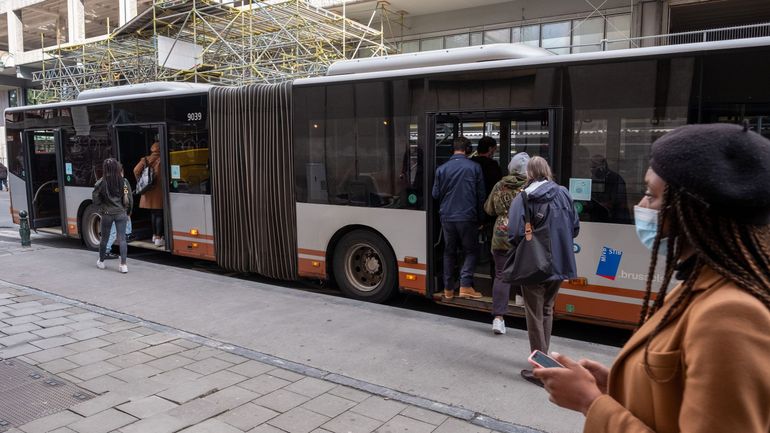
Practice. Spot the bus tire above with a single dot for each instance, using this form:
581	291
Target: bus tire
90	227
365	267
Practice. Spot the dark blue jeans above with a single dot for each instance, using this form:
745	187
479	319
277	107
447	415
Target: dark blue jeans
460	238
120	221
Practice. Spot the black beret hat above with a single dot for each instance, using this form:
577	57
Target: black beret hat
725	166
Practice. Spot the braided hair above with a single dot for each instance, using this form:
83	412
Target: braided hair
738	252
113	178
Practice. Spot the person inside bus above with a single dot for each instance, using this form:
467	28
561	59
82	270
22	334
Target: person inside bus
459	188
113	198
549	205
3	177
152	198
608	194
498	204
700	359
485	152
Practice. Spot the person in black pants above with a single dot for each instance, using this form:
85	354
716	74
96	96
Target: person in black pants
113	198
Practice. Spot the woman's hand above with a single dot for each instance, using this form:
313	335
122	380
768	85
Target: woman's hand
599	371
573	387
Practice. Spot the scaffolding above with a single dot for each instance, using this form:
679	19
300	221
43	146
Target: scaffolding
208	41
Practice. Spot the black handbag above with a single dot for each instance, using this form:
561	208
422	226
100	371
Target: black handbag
532	262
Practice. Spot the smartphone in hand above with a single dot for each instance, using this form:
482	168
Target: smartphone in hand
540	359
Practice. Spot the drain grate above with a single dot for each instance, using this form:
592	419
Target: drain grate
28	393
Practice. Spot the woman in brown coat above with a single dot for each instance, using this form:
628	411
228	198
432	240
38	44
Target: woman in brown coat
700	362
152	198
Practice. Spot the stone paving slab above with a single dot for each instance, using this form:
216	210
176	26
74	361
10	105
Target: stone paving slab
152	381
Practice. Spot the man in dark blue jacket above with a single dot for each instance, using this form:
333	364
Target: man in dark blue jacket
459	187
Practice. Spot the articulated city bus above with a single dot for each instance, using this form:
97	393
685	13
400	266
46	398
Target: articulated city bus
330	177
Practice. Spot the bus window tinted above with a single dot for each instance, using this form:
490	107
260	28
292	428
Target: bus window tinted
15	153
84	155
188	156
356	144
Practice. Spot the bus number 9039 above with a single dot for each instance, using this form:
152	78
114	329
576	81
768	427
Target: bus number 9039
192	117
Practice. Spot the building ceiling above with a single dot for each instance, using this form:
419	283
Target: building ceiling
49	18
362	9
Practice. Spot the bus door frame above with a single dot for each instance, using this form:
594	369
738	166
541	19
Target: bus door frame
30	175
165	175
555	141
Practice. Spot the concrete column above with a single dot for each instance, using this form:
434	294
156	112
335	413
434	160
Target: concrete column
76	21
127	10
15	33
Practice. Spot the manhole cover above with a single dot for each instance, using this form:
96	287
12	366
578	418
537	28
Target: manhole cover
28	393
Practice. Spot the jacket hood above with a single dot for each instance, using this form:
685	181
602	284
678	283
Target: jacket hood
514	181
542	191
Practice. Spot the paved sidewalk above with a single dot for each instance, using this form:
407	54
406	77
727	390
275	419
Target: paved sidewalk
148	378
454	366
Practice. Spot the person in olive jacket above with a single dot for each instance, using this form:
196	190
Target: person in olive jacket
700	361
113	198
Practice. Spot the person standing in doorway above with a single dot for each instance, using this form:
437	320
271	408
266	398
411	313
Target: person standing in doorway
113	198
152	198
498	204
3	177
490	169
459	187
549	205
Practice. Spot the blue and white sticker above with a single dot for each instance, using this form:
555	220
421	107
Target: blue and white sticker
67	168
176	172
580	189
609	262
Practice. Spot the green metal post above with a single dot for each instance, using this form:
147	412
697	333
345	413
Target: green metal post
24	229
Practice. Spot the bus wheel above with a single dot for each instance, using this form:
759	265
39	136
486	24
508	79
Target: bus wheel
90	227
365	267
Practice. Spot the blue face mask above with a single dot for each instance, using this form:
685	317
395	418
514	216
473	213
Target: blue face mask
646	221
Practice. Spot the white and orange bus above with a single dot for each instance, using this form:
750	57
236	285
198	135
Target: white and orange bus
330	177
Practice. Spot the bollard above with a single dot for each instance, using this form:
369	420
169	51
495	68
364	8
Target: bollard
24	229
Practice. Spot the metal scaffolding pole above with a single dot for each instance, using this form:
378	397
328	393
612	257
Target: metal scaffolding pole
228	43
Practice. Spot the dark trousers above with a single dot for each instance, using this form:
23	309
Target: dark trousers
460	237
538	304
120	221
501	291
156	219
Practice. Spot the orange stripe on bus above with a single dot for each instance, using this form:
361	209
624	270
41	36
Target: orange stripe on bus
597	308
311	252
195	254
617	291
416	285
305	268
199	235
421	266
192	248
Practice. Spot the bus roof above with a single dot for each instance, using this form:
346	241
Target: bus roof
172	89
125	93
542	61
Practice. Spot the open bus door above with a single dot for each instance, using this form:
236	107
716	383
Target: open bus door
535	131
44	180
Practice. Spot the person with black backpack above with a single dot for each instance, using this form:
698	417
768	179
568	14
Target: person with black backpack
112	196
543	212
147	172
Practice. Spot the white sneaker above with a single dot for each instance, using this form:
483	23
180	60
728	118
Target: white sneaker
100	264
498	326
123	269
158	242
518	301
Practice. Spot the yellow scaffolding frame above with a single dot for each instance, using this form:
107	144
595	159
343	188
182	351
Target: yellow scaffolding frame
232	43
